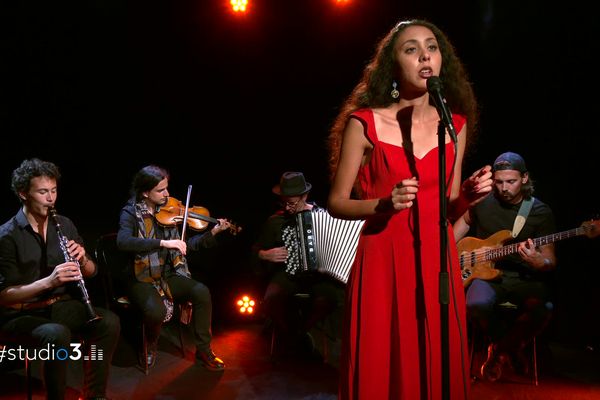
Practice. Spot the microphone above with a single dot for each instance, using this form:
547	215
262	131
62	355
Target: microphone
434	87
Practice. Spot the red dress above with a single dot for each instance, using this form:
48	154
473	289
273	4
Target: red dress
392	343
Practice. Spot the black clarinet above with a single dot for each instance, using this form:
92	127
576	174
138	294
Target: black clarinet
81	284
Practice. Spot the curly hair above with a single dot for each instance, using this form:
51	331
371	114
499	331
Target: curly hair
29	169
373	90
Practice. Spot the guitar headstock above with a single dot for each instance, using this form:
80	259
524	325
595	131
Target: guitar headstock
592	228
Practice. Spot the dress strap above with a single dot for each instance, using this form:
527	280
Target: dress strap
366	117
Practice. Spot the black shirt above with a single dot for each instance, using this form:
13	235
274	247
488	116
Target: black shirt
25	257
270	236
491	215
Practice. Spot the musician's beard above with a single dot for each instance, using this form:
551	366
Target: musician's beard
508	197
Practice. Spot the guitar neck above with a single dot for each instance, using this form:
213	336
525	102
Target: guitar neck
504	251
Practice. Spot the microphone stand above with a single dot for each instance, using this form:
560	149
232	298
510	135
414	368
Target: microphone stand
444	281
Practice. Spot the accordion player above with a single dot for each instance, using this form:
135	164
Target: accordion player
317	241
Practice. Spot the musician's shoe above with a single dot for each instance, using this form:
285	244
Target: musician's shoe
491	370
150	361
209	360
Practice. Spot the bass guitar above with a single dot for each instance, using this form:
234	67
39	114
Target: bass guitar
477	256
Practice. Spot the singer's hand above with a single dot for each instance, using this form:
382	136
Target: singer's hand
63	273
404	193
478	185
174	244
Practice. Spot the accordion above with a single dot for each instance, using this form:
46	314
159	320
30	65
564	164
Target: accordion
316	241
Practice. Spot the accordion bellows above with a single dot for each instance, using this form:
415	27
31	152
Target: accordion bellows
321	242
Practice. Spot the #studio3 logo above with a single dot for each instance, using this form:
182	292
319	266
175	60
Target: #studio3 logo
51	352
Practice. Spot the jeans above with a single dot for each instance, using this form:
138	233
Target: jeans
534	308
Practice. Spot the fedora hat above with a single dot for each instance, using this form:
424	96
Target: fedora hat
292	184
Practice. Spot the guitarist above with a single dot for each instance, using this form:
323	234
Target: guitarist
524	279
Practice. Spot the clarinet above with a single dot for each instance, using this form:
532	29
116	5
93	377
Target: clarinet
81	284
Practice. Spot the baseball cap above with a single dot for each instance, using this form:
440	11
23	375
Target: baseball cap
509	160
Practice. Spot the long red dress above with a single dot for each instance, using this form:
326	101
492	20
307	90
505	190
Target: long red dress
392	343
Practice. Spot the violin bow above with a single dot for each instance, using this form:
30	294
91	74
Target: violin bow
185	215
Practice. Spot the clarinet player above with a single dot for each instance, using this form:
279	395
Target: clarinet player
41	303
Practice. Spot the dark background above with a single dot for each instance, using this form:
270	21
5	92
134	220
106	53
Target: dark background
228	103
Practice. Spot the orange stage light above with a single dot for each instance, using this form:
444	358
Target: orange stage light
245	305
239	6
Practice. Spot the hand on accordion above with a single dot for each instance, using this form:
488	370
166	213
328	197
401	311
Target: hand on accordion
276	254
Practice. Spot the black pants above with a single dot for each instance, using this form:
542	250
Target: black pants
56	327
147	299
280	305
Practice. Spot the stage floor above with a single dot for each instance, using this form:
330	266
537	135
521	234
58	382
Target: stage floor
565	373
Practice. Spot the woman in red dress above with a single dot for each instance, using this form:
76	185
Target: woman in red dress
384	159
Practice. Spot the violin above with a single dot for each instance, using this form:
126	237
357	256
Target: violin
198	217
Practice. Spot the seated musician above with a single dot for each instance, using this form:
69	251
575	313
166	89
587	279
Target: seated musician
159	271
525	276
44	304
285	278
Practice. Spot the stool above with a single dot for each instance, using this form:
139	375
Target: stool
510	308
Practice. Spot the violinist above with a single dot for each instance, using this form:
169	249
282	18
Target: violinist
159	271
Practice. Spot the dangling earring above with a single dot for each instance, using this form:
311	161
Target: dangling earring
395	93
